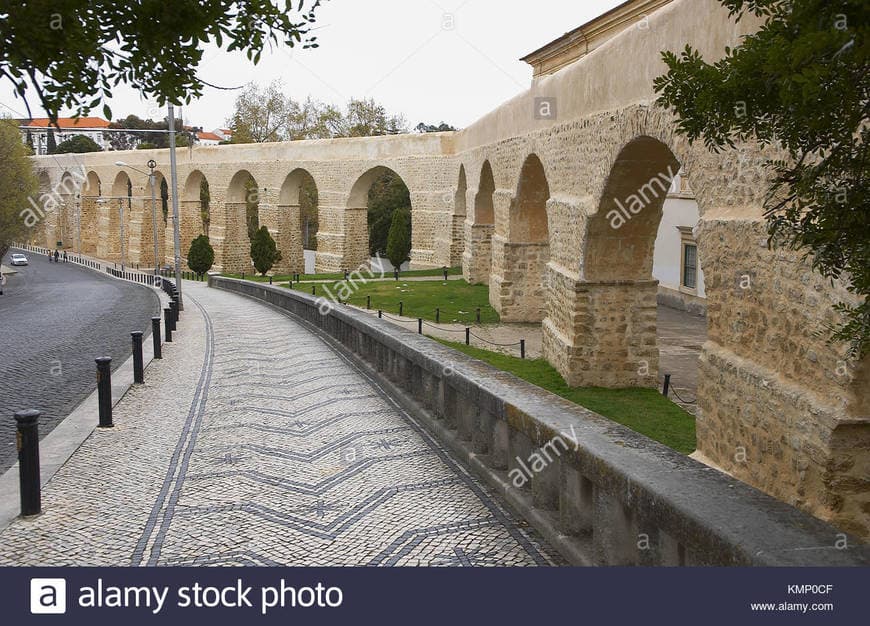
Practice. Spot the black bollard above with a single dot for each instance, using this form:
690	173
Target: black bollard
522	348
445	272
419	325
104	389
467	336
313	290
401	308
368	302
667	385
173	309
346	273
270	280
437	315
28	462
138	361
380	314
478	315
396	274
167	324
155	337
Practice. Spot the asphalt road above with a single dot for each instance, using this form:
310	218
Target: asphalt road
55	319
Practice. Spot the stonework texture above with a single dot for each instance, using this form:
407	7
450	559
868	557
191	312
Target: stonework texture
779	407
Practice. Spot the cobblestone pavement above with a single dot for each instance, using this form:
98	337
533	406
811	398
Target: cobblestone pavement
254	442
55	319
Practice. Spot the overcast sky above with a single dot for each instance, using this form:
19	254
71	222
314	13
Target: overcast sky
400	52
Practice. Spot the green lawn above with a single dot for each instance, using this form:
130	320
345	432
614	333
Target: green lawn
457	299
643	410
283	278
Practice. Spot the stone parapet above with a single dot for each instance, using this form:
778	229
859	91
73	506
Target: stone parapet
609	496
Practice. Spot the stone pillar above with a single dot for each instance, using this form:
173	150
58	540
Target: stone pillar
356	253
602	333
780	407
330	234
518	283
289	239
90	218
236	246
191	223
477	255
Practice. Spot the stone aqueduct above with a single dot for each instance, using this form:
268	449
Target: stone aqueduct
522	203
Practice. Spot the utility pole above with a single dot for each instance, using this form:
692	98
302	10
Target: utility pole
175	221
151	165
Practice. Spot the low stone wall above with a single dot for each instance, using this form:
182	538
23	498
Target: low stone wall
598	492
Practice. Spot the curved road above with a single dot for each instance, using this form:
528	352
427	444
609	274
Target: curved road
54	320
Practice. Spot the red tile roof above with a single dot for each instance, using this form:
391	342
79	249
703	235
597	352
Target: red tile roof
70	122
210	136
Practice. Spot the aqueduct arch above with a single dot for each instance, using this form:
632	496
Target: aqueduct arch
242	205
521	249
289	220
90	193
356	227
479	227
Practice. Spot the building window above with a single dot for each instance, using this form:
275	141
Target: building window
690	266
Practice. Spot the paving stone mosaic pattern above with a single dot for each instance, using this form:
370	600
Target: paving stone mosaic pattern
256	443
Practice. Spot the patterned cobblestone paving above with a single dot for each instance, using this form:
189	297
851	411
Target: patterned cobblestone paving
255	443
55	319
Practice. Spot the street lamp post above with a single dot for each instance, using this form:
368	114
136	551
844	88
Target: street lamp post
176	226
121	213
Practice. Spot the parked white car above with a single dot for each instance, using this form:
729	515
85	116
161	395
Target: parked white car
18	259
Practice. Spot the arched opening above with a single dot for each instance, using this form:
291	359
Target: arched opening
479	227
89	214
386	200
620	304
484	214
242	221
519	289
155	217
195	209
115	218
528	216
298	222
457	226
67	190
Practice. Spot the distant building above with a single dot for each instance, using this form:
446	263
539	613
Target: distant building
225	134
35	131
208	139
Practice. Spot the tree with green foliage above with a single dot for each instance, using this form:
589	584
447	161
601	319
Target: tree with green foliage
77	144
443	127
387	194
264	251
18	185
205	205
200	257
51	142
73	54
308	203
399	240
802	83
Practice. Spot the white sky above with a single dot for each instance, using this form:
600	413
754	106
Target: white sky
395	51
